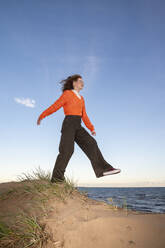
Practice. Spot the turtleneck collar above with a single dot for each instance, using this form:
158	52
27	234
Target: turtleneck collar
77	93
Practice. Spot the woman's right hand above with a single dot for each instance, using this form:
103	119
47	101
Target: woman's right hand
38	121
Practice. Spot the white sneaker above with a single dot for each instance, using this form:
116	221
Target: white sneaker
111	172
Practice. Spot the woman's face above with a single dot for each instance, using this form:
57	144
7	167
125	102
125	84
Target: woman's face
79	84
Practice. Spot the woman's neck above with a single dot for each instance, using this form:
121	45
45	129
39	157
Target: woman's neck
77	90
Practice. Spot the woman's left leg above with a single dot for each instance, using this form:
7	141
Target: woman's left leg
89	145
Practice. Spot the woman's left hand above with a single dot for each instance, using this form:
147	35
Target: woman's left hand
93	132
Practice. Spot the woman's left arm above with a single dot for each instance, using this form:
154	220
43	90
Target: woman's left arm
86	119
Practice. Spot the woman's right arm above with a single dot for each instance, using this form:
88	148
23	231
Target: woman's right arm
55	106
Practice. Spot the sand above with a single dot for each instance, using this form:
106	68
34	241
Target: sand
81	222
88	223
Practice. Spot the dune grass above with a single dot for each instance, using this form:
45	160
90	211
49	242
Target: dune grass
115	207
27	231
37	174
60	189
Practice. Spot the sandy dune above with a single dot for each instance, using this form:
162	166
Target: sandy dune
80	222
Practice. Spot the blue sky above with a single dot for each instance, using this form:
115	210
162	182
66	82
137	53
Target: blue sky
118	48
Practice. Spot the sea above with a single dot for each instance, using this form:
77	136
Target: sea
144	199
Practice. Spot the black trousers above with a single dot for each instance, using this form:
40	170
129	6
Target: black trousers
71	132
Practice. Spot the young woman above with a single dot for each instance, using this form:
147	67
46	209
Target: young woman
71	131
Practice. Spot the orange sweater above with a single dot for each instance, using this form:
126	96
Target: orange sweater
72	105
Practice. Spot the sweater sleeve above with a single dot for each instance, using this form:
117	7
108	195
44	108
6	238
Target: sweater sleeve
55	106
85	118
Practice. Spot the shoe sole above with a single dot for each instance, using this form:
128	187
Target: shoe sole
111	172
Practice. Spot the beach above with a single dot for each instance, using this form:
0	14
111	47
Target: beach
74	220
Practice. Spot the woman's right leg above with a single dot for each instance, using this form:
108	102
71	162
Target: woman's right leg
66	149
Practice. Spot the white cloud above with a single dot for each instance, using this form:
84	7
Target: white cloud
25	101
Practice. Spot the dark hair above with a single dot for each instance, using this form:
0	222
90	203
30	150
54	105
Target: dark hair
68	82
